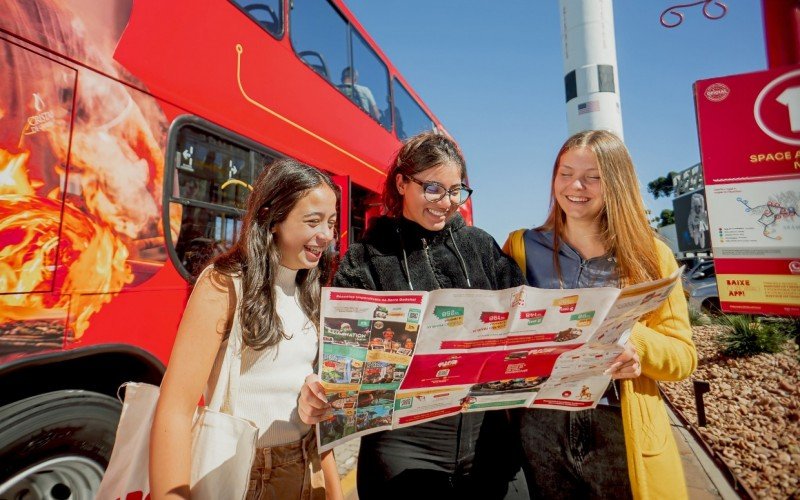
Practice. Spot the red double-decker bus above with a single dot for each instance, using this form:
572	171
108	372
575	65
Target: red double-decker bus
130	132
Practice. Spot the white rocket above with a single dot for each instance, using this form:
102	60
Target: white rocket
590	66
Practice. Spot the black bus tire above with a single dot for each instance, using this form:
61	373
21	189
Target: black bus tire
57	444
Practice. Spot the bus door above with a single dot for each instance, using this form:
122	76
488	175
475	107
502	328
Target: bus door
343	181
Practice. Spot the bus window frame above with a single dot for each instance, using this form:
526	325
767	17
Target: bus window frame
350	29
169	178
349	50
413	98
283	19
389	75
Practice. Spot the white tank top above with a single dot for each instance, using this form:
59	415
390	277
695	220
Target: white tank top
271	379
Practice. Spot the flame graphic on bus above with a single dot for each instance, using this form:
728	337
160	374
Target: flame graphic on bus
92	256
81	175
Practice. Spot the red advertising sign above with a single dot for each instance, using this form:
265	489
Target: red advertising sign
749	128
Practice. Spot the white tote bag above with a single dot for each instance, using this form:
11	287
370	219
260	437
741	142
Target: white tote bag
223	446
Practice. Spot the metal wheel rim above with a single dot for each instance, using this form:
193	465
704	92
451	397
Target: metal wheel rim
46	480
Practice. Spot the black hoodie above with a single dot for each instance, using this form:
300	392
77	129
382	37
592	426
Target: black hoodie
397	254
465	453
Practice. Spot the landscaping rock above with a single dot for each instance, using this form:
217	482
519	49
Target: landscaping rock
752	411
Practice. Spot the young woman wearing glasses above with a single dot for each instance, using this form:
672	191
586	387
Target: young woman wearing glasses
423	244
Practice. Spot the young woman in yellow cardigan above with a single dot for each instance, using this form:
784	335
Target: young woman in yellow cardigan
597	234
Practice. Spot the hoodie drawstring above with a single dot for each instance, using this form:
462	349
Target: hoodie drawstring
405	259
455	246
460	258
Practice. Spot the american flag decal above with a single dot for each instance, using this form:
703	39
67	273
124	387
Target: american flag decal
588	107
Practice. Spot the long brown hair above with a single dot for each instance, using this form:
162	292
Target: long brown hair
255	256
418	154
625	232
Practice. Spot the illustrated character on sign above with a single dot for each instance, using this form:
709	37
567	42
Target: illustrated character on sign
698	220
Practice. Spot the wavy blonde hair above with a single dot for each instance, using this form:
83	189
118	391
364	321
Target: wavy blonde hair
625	231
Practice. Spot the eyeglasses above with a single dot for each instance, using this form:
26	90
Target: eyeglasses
434	191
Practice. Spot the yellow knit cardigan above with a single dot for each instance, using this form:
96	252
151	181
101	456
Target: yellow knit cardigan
667	353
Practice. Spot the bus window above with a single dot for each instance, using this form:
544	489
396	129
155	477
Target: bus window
409	118
266	13
319	37
212	180
370	90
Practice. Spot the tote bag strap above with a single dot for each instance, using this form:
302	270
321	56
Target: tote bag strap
222	396
233	355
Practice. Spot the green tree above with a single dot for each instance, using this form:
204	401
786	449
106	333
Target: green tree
661	186
667	217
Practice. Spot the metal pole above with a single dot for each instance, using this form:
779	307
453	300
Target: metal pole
700	387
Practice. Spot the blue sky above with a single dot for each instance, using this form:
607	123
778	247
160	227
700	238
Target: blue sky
492	72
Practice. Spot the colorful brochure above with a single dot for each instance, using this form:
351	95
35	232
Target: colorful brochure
393	359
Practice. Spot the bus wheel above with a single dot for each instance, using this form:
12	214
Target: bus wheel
56	445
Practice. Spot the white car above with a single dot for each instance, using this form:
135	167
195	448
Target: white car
700	287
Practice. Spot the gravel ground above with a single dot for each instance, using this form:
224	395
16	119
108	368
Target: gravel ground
752	412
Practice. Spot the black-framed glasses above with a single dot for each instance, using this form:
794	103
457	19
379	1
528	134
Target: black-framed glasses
433	191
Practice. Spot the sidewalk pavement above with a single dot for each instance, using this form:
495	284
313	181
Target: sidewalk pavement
704	481
346	461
